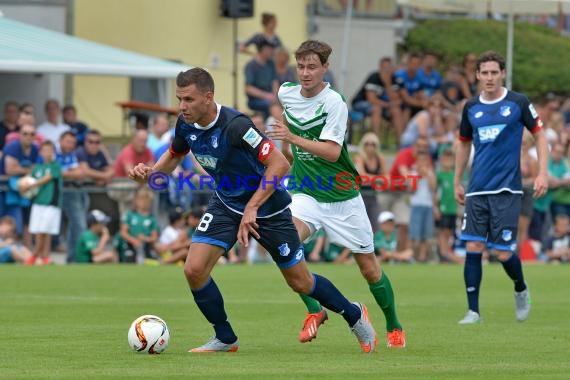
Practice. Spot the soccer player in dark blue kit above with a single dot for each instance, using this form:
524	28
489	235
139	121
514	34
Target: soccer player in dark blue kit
230	148
494	122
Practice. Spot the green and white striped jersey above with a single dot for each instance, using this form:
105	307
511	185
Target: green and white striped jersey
319	118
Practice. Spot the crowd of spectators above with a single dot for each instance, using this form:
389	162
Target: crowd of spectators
106	218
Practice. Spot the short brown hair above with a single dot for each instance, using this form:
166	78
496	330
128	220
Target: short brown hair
266	18
196	76
491	56
321	49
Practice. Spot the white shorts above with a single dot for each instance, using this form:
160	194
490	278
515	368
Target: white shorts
345	223
45	219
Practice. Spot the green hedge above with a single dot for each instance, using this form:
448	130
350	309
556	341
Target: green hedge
541	57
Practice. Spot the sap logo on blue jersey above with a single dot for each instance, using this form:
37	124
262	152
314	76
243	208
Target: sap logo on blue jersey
489	133
207	161
284	249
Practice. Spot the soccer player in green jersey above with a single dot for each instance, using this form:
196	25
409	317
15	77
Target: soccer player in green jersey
316	118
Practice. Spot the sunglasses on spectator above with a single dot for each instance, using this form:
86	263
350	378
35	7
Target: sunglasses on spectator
28	133
94	141
369	143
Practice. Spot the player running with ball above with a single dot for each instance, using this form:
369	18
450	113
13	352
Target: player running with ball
229	147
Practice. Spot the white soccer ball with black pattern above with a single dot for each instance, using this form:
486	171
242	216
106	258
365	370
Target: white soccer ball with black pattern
149	334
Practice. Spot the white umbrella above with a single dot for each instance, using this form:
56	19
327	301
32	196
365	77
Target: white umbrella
509	7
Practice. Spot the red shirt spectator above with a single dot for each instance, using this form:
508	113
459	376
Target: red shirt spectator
133	154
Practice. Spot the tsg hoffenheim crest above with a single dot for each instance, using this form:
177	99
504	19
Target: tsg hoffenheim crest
507	235
214	141
284	249
505	111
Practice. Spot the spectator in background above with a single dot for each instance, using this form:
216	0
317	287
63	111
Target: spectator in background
132	154
160	126
386	242
10	250
93	161
453	89
9	123
470	84
529	171
557	168
172	245
52	128
285	72
446	207
92	244
177	196
429	76
139	231
75	201
261	80
557	247
18	160
269	24
78	128
422	208
427	123
97	167
397	201
370	162
45	216
378	98
410	86
139	121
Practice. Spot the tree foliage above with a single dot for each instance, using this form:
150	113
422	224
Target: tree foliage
540	55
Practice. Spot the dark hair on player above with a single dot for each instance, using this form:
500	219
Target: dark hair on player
321	49
491	56
196	76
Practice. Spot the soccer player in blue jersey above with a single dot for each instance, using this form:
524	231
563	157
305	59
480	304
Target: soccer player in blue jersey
493	122
230	148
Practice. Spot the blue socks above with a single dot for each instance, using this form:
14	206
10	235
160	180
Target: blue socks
211	304
513	267
472	274
331	298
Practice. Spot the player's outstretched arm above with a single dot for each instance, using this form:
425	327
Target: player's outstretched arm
276	167
328	150
166	164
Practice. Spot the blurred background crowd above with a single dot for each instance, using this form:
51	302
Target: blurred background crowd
403	120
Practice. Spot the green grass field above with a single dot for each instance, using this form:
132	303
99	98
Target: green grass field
71	322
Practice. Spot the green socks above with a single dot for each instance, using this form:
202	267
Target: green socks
384	296
313	306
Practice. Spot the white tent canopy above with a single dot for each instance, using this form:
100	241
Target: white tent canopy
509	7
28	49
